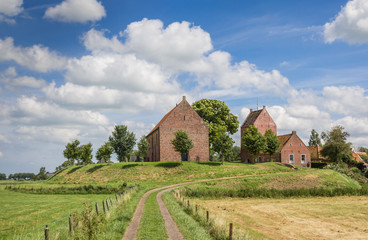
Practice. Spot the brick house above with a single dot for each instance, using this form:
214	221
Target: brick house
181	117
292	149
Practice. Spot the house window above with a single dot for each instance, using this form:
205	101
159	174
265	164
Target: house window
259	159
291	158
184	117
303	158
290	144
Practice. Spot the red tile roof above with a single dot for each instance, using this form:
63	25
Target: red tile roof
283	140
251	118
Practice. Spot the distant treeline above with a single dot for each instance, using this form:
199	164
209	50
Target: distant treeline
19	176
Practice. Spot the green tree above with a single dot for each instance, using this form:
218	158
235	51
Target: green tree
182	143
235	153
143	146
314	139
272	142
41	175
216	114
85	153
71	151
2	176
253	141
223	144
336	148
122	141
104	152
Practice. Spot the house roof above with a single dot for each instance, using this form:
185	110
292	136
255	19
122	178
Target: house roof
283	140
356	157
315	152
251	118
361	153
161	121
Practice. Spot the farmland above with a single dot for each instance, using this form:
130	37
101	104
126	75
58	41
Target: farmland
30	206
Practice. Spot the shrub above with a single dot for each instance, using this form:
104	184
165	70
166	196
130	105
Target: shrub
315	164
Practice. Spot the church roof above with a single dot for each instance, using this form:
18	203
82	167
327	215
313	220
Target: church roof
251	118
161	121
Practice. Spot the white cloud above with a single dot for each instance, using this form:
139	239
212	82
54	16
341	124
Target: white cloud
76	11
243	75
48	134
102	98
119	71
350	25
345	100
139	128
179	46
37	57
9	78
30	111
96	42
11	8
4	139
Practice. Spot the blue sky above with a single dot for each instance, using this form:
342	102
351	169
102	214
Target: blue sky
73	69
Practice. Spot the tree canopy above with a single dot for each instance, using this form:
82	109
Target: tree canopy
223	144
314	139
143	146
272	142
122	141
85	153
71	151
336	148
182	143
221	122
253	141
104	152
41	175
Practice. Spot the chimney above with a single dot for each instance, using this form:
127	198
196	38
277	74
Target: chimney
251	110
184	98
264	107
293	132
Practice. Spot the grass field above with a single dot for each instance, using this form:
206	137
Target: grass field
301	218
30	212
25	213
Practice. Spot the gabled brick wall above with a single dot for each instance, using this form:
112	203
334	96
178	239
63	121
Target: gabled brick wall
294	146
182	117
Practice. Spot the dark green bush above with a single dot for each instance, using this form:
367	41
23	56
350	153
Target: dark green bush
315	164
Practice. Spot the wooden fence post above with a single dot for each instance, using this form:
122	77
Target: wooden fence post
207	215
116	196
188	204
97	209
47	233
107	205
196	208
103	205
70	225
111	202
231	231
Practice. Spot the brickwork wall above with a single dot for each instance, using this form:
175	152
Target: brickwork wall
153	153
182	117
296	147
263	122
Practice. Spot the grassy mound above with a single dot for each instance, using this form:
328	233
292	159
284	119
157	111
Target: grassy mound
303	183
159	173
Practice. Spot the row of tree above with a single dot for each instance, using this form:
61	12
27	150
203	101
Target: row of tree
255	142
121	142
26	176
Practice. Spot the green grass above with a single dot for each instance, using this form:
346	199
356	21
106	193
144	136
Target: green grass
152	224
158	173
190	228
24	213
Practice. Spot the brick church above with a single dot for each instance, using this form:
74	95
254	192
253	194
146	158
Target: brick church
181	117
292	150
